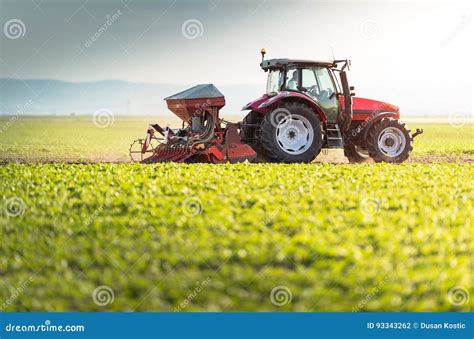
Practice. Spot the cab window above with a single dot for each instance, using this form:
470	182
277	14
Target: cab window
309	78
326	86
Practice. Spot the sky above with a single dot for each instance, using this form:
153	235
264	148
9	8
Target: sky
415	54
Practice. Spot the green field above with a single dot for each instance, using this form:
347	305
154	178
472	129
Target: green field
77	139
201	237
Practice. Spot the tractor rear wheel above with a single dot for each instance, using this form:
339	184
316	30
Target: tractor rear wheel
291	133
389	140
356	154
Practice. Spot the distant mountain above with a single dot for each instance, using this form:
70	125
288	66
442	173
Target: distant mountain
53	97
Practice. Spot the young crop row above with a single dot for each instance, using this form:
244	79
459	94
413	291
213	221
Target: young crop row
246	237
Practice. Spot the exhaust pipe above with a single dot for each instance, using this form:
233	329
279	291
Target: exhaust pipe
347	116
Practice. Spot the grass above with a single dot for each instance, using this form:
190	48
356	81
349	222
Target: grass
338	237
70	138
443	138
77	139
164	237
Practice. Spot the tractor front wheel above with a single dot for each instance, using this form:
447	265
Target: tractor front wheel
389	140
291	133
356	154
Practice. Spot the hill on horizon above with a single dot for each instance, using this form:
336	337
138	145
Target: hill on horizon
56	97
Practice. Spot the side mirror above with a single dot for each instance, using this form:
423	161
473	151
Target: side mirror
351	88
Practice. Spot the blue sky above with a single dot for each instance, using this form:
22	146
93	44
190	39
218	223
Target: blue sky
401	51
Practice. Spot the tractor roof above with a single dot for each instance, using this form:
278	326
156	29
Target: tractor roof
279	63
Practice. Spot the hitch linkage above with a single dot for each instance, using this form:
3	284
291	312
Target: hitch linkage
418	132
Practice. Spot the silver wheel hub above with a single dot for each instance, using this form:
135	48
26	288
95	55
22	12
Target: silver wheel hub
391	142
294	134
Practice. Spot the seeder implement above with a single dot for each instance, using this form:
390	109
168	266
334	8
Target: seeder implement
204	137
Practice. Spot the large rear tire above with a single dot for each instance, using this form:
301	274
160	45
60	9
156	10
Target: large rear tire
389	140
291	133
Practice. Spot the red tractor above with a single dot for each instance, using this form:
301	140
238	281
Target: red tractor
308	105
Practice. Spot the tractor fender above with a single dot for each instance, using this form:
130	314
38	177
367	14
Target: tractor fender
253	105
286	96
376	118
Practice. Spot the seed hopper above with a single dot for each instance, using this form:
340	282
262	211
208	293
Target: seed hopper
203	137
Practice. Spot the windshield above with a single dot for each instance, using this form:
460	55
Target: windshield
274	81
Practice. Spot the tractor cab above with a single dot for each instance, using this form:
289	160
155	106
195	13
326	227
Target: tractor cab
314	79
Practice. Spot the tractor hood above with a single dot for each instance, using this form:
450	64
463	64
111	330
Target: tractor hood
364	106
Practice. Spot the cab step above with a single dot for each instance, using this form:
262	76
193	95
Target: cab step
333	136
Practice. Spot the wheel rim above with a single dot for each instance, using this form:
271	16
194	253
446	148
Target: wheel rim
294	134
135	150
362	152
391	142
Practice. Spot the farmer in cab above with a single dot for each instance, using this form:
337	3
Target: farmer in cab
293	83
